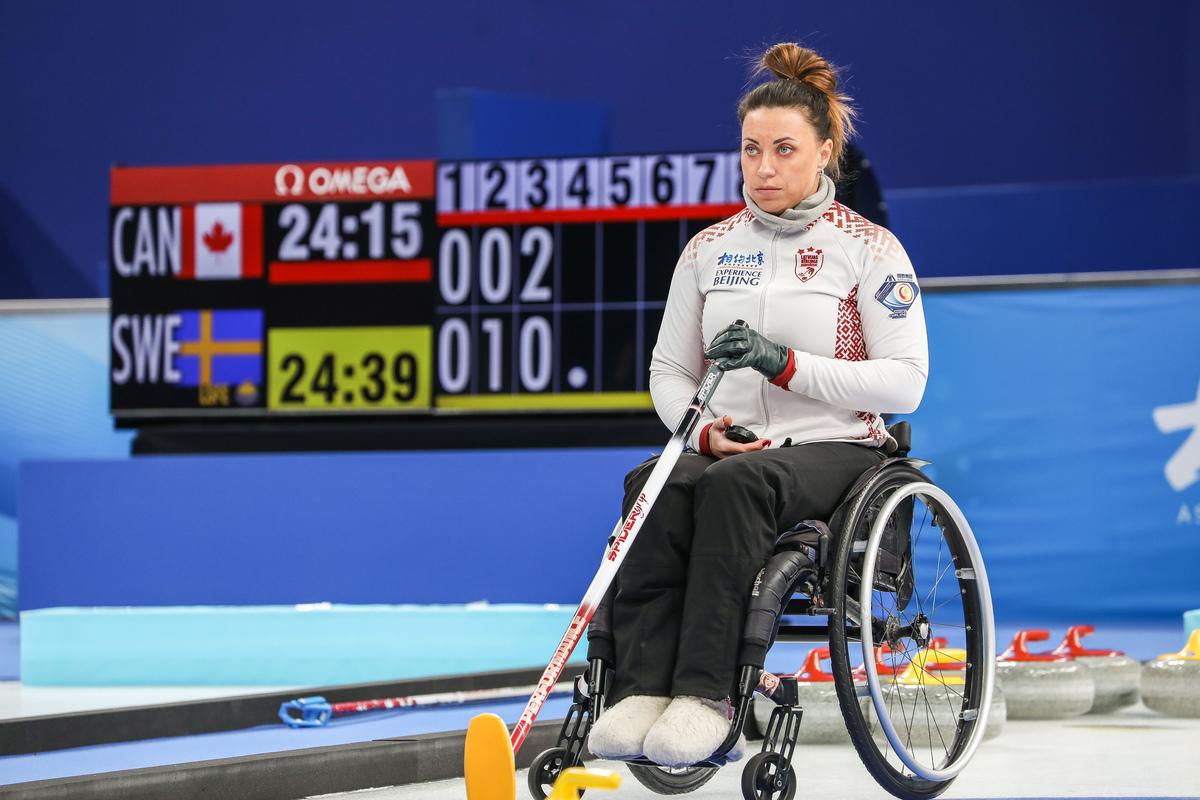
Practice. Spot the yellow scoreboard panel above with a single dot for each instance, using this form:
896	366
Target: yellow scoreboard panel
360	368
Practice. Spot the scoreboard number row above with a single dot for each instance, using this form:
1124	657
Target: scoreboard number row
459	353
589	183
488	261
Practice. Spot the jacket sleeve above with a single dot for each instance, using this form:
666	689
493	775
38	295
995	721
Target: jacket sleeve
887	374
677	364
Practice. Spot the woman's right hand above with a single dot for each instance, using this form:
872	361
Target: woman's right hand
720	446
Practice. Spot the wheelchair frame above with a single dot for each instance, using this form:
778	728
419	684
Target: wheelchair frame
768	775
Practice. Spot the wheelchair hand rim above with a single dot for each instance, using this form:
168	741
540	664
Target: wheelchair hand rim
987	648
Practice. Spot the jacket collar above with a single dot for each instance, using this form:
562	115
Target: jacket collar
801	215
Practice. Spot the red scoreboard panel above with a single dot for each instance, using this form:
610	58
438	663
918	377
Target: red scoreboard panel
399	286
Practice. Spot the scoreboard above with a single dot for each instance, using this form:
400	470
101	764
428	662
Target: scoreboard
399	286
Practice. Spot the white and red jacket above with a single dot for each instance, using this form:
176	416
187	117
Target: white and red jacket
820	279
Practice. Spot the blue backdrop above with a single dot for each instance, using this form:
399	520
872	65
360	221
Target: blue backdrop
53	404
1050	415
1040	418
952	93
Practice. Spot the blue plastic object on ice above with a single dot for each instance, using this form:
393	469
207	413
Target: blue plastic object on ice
251	645
314	712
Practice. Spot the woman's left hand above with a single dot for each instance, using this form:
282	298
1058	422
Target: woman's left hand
741	346
721	446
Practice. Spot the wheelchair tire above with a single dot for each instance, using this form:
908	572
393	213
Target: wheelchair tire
663	780
885	714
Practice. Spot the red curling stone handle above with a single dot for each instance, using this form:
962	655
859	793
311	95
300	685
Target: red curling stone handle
1071	644
1017	651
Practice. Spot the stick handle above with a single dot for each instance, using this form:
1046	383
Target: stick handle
622	539
314	712
439	698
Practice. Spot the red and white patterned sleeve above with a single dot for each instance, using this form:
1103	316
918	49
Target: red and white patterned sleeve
677	364
881	357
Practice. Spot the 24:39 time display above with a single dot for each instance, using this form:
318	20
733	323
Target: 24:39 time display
348	368
400	376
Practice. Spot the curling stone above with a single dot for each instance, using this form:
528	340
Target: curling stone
1115	674
1171	683
1042	685
822	722
935	676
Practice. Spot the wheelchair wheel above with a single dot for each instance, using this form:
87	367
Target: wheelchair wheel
917	719
761	779
544	771
664	780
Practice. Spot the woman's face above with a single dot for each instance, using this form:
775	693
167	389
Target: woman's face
781	156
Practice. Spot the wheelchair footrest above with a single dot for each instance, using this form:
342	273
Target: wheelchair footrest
708	763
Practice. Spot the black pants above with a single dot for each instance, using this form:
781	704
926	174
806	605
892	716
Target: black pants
680	598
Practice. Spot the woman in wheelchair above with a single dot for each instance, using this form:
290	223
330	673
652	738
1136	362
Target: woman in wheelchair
835	337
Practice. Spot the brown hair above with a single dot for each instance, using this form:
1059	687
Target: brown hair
804	80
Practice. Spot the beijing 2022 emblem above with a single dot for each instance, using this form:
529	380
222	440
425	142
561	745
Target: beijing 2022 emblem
897	294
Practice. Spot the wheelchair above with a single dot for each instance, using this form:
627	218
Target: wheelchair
895	566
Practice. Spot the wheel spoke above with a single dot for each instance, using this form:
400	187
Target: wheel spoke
920	527
937	571
942	567
936	583
928	721
933	717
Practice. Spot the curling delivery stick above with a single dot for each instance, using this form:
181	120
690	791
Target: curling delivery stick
315	712
622	539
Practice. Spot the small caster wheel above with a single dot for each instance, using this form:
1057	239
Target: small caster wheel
767	777
545	769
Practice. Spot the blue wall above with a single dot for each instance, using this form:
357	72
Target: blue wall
53	404
952	93
1039	416
1096	226
445	527
1193	86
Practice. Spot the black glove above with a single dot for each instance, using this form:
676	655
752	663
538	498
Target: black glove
741	346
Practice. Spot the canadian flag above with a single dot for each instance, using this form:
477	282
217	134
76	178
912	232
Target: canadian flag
222	241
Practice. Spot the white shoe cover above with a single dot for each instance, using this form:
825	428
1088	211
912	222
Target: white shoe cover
621	730
691	730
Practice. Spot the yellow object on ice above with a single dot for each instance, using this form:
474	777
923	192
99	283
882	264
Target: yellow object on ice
572	780
935	667
488	763
1190	651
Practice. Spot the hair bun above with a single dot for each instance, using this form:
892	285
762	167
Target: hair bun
807	82
790	61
